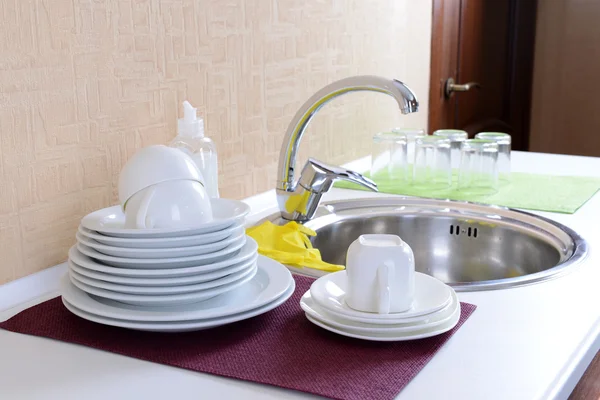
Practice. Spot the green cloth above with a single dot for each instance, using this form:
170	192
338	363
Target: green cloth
561	194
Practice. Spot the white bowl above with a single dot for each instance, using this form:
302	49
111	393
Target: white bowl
152	165
173	204
162	243
111	222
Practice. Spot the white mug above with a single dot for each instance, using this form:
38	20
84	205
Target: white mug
172	204
381	274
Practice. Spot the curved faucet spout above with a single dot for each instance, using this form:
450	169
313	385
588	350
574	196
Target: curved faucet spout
407	101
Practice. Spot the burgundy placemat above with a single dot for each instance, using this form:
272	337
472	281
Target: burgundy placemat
280	348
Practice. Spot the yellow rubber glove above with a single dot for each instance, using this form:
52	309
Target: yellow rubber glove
289	244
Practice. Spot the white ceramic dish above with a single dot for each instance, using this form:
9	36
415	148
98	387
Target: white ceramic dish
162	243
431	295
248	251
184	326
155	164
158	281
392	337
111	221
437	319
272	279
162	253
160	290
163	263
167	205
163	300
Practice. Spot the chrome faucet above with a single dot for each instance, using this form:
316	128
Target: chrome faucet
298	201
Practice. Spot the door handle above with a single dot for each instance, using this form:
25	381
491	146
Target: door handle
451	87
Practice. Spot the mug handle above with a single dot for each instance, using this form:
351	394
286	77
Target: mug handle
142	220
384	273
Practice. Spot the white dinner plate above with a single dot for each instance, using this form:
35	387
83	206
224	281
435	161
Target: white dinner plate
434	320
162	243
158	281
189	251
272	279
248	251
183	326
111	221
160	290
392	337
431	295
163	263
163	300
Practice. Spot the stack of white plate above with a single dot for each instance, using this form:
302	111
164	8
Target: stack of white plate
171	279
435	310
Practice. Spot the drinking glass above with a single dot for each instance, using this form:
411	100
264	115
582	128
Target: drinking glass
456	138
389	157
412	135
432	168
503	140
479	167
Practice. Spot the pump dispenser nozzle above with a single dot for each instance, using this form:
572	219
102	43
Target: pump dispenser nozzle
190	125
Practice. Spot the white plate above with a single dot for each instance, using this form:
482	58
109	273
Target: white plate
111	221
161	243
248	251
163	263
187	326
163	300
392	337
160	290
271	280
190	251
428	322
431	295
176	281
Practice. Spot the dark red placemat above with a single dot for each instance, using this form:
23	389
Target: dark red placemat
280	348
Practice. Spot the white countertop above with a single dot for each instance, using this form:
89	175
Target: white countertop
532	342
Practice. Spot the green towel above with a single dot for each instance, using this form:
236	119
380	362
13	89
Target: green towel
562	194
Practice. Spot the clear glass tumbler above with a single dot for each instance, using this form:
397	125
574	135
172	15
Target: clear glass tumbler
479	167
504	141
432	168
412	135
456	138
389	158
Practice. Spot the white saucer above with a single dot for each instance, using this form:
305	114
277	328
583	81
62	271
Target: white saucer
158	281
392	337
437	319
161	290
111	221
431	295
172	252
270	282
248	251
162	300
163	263
183	326
161	243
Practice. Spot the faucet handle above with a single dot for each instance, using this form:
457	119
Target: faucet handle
318	177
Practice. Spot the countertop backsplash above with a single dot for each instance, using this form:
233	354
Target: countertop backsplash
83	85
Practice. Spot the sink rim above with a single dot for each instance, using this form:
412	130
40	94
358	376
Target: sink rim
572	247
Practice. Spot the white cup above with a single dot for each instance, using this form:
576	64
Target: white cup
153	165
381	274
172	204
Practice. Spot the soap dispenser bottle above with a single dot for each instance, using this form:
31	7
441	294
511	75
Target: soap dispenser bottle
191	140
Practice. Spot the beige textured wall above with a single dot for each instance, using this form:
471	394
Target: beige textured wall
83	84
565	102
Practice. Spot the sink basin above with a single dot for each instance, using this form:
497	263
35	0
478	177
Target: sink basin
469	246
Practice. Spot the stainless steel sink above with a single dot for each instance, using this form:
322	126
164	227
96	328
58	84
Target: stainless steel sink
469	246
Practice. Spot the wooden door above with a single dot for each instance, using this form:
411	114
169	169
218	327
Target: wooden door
489	42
